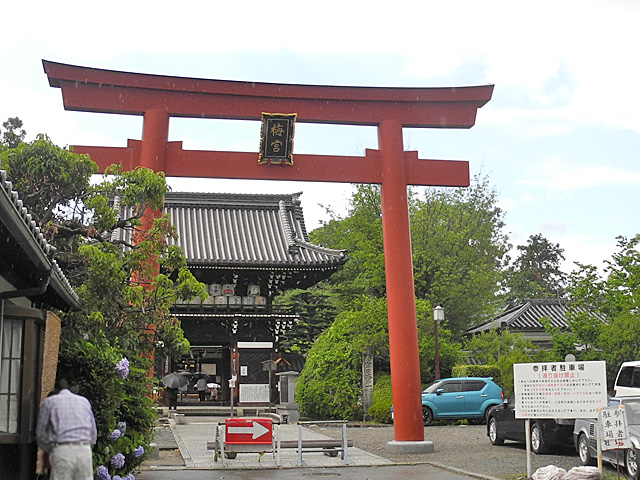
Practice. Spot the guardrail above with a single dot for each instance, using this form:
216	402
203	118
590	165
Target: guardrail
336	447
328	446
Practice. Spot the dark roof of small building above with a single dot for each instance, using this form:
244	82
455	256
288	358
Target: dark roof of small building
527	315
246	231
26	259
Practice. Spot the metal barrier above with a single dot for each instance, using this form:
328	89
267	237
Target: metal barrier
332	444
231	439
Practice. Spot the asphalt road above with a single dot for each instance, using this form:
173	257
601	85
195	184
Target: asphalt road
462	447
404	472
459	450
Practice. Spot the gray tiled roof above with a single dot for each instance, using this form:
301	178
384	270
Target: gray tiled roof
35	260
527	316
246	231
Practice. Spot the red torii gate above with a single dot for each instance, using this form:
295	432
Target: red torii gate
157	98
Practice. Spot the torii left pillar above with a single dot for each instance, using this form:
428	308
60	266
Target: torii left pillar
158	98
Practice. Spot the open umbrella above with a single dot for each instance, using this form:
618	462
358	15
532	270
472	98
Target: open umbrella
199	375
213	385
176	380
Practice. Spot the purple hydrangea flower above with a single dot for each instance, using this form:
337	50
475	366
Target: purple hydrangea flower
122	368
129	477
122	426
117	461
138	452
117	477
103	473
116	434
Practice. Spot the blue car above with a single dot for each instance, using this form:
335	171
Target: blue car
461	397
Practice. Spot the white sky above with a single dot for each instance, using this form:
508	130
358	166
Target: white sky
560	140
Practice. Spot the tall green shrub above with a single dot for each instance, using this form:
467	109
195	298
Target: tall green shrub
330	385
380	410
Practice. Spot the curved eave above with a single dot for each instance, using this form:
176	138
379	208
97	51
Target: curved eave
112	91
241	265
28	236
60	72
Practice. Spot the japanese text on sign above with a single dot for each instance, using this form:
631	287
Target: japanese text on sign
612	422
276	139
559	390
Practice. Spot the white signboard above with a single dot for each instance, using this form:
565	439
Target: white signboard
612	422
559	390
254	393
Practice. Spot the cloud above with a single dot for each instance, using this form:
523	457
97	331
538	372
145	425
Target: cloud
557	175
586	250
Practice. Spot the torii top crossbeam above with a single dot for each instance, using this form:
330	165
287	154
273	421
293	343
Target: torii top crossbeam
107	91
158	98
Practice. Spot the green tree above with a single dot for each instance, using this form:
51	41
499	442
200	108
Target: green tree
360	233
502	349
613	297
316	311
125	286
458	251
536	273
13	133
330	385
52	181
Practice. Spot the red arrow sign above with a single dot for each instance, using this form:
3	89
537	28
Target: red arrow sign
248	431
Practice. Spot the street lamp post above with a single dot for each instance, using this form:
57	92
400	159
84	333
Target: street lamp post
438	316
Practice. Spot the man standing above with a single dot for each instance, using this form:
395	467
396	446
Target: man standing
201	385
172	393
66	430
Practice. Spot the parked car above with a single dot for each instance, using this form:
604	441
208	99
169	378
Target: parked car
584	435
502	425
627	380
460	398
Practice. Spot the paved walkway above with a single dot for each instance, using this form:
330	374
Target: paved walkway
192	436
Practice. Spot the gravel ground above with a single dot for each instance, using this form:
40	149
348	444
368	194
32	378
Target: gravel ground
464	447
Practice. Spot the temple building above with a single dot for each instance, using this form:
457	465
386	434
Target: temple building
527	320
247	249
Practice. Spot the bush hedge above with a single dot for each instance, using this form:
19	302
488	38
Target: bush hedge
492	371
380	410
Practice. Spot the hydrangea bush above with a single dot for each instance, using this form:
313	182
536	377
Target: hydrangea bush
123	412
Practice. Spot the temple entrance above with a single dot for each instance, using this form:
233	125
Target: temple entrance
210	360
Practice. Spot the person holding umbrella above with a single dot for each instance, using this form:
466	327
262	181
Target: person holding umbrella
201	385
183	392
173	381
214	390
172	393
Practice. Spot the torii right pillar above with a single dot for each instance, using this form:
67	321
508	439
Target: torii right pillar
401	306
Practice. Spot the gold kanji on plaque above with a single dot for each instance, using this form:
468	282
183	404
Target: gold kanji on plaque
276	139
